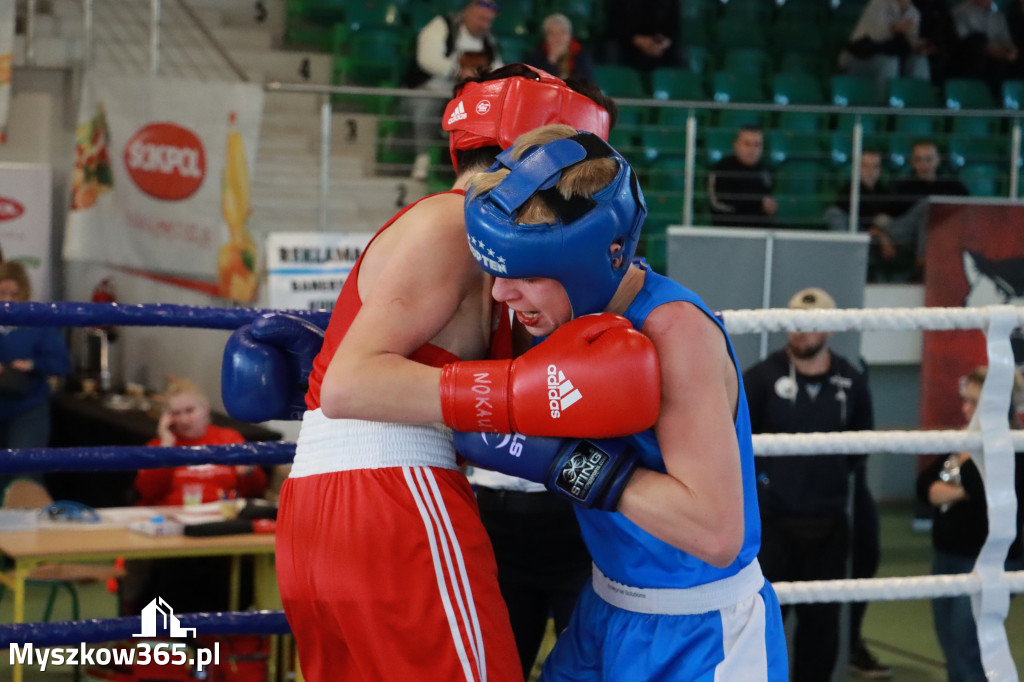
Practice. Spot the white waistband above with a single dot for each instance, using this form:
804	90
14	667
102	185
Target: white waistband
327	445
680	602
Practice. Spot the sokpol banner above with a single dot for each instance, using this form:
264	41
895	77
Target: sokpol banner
160	185
26	221
6	63
305	270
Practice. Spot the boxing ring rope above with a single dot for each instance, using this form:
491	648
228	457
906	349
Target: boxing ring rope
988	437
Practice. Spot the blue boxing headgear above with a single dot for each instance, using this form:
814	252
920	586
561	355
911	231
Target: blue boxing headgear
575	250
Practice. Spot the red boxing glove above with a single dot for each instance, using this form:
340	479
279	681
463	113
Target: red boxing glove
595	377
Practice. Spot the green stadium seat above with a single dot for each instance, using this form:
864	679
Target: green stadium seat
732	33
696	58
660	143
750	61
717	144
853	91
912	93
798	35
512	24
922	126
620	81
667	174
984	180
969	93
796	88
1013	94
800	211
869	122
514	48
369	15
735	119
677	83
728	86
785	147
969	150
803	178
802	121
792	61
375	57
326	11
796	11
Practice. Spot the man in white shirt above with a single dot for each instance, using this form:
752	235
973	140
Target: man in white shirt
449	48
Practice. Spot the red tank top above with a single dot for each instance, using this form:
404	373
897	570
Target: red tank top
345	309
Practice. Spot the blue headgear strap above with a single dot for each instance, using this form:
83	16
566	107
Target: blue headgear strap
575	250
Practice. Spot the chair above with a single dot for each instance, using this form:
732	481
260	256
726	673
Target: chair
696	58
677	83
898	147
620	81
28	494
984	180
734	119
729	86
802	121
375	57
969	93
911	93
869	122
798	34
1013	94
732	33
803	178
751	61
718	144
512	24
969	150
659	143
796	88
748	10
787	147
853	91
371	15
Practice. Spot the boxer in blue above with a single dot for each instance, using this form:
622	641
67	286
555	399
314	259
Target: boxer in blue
677	593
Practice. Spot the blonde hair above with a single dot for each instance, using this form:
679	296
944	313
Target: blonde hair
581	180
15	271
176	386
978	376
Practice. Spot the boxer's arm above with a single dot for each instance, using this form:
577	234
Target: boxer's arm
697	505
428	274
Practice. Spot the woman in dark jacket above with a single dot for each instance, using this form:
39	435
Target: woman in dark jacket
954	487
560	54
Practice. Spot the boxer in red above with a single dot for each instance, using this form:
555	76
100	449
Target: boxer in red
385	570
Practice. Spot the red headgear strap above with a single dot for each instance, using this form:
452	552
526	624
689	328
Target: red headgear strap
497	112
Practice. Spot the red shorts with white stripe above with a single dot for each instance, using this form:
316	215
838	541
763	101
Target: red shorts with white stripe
388	574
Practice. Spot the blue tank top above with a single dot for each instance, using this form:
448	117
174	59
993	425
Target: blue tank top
621	549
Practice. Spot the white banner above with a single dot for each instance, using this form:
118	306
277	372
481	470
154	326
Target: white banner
6	63
26	221
161	181
307	269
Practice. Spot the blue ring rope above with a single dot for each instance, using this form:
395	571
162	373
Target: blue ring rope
112	629
115	458
77	314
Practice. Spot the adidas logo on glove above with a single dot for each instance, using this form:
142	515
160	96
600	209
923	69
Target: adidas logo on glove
561	392
458	114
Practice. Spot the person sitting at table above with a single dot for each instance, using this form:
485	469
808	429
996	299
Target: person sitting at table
186	421
29	357
189	584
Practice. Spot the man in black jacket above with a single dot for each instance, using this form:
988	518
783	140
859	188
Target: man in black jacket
805	533
740	187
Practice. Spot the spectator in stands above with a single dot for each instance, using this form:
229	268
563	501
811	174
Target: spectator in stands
193	583
560	54
985	50
645	35
910	199
29	358
740	186
449	48
953	486
939	35
888	259
885	43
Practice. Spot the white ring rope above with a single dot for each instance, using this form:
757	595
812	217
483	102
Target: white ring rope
988	438
853	319
864	442
887	589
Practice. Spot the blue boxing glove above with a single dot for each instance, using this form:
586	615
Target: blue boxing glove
592	474
266	367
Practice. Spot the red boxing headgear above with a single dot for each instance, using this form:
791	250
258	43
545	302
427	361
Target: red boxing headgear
497	112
